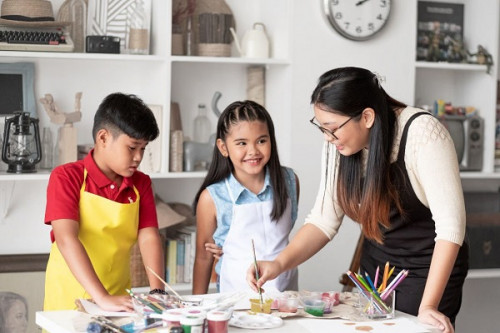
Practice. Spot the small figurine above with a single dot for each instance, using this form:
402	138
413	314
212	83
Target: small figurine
483	57
67	138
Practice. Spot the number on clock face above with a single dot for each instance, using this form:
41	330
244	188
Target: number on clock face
358	19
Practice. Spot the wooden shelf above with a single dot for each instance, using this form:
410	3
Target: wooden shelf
79	56
450	66
44	175
483	273
231	60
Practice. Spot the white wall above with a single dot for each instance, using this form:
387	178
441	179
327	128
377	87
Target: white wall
316	49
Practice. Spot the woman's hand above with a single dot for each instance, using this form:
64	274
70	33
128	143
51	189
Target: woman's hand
268	270
435	318
214	249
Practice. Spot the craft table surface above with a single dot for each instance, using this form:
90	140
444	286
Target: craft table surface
62	322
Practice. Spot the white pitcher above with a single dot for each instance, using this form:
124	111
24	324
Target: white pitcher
255	43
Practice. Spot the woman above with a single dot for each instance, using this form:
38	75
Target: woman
392	168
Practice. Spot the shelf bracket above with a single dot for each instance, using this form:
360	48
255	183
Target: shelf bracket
6	192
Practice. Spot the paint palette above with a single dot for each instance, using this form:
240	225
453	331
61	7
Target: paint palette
254	321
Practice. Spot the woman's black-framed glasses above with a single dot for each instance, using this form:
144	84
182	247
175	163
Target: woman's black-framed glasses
326	130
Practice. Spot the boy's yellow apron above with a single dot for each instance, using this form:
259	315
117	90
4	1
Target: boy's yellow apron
108	230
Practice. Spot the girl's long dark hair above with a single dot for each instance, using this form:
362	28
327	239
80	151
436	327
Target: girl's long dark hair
221	167
367	200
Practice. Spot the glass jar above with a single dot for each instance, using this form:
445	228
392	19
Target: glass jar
202	126
137	41
47	149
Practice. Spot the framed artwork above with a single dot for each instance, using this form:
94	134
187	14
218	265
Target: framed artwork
17	88
111	17
151	161
22	279
440	32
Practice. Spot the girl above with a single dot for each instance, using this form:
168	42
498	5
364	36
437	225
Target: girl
13	313
394	169
246	195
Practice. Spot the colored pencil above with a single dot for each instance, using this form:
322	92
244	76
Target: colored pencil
376	276
397	280
143	301
257	276
363	282
390	272
371	283
384	278
365	292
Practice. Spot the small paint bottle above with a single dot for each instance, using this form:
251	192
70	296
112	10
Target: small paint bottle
172	317
193	323
218	321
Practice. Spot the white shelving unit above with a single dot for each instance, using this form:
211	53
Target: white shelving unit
160	78
469	85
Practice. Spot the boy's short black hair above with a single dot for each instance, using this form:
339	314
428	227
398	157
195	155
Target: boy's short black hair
128	114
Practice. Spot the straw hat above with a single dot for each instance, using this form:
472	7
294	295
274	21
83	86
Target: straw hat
28	13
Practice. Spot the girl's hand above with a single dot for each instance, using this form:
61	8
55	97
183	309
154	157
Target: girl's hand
115	303
214	249
435	318
268	270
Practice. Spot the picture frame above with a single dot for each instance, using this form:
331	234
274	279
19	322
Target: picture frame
109	18
17	88
440	32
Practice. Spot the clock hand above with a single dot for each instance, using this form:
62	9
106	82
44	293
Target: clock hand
361	2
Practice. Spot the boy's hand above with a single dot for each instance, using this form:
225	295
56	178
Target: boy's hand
214	249
115	303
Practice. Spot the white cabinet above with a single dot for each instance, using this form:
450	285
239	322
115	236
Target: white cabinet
160	78
468	84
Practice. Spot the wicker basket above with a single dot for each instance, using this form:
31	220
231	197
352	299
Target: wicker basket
214	50
138	275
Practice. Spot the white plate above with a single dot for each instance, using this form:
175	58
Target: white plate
255	321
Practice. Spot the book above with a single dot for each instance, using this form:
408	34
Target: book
440	32
172	261
180	260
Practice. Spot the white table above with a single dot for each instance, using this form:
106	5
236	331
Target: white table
62	322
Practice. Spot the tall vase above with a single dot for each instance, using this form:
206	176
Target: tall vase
211	21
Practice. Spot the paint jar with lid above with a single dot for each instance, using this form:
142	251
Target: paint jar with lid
172	317
218	321
192	323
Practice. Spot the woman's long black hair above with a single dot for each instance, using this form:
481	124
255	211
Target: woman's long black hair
366	199
221	167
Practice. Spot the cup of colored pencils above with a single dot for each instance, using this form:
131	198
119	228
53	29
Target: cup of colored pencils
377	301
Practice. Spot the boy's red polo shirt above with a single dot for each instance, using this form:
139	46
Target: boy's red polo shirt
63	192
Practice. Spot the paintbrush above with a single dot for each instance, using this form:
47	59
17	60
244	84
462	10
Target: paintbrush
257	276
165	283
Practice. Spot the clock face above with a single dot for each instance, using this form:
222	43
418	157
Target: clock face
357	19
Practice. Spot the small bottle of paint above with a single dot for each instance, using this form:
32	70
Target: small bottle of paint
172	317
218	321
193	323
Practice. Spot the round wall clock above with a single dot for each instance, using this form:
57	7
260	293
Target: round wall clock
357	19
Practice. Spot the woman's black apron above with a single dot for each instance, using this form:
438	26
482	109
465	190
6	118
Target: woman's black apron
409	244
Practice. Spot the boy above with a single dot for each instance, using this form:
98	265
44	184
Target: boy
99	207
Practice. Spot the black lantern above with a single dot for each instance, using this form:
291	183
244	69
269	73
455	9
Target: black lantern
21	148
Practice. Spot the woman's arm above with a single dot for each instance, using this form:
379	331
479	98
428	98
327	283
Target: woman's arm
152	255
206	223
306	243
443	259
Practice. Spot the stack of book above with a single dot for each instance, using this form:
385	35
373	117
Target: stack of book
180	250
